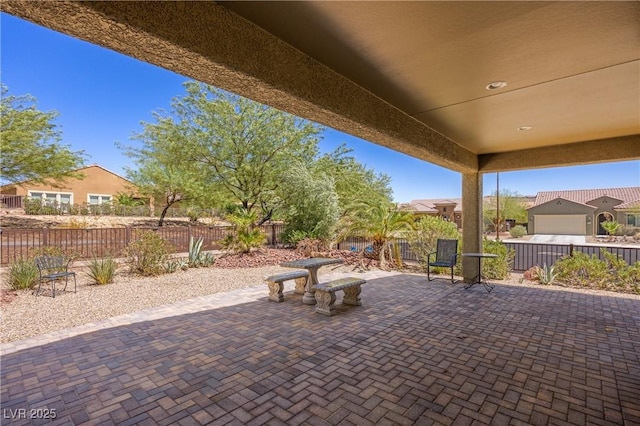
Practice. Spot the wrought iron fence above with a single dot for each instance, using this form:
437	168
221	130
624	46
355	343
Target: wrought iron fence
11	201
528	255
87	243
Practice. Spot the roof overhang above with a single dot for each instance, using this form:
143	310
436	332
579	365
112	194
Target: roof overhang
406	75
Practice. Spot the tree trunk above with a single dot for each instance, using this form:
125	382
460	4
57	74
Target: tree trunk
266	218
170	201
382	259
162	215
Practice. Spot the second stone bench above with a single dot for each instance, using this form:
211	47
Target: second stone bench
326	294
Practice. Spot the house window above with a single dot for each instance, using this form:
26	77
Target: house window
52	199
633	219
95	199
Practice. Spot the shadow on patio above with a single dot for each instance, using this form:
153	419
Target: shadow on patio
414	353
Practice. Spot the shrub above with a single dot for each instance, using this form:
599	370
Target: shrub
294	237
423	238
582	270
611	227
246	236
622	275
518	231
23	274
32	206
102	271
148	254
193	215
68	254
76	224
498	268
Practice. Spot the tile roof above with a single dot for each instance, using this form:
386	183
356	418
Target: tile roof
429	205
628	195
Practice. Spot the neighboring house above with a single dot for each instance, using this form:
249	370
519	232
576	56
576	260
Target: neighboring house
581	212
99	186
449	209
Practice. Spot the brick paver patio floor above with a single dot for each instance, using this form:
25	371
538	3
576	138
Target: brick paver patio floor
414	353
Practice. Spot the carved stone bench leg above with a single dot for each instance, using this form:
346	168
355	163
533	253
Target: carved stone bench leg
325	301
352	296
275	291
300	284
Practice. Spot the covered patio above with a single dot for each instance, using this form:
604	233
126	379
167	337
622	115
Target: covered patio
477	87
413	353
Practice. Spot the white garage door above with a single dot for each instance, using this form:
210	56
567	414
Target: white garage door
566	224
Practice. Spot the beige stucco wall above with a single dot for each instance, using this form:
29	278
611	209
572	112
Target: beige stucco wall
561	207
97	181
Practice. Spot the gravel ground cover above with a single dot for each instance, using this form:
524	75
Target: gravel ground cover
23	315
28	315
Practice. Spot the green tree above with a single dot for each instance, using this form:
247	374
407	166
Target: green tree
243	146
163	171
354	183
512	206
382	223
127	199
216	149
29	144
309	204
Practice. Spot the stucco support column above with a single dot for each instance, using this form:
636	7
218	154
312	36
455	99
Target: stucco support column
471	222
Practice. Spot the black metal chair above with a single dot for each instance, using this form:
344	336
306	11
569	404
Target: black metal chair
446	255
52	269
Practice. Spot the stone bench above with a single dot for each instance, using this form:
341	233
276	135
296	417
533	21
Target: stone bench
326	294
275	283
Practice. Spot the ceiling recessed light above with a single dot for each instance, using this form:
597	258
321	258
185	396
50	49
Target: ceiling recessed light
496	85
525	128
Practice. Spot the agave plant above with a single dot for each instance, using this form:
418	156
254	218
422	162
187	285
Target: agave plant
545	275
175	264
195	251
207	259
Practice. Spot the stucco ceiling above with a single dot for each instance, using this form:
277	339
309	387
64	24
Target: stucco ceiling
572	68
408	75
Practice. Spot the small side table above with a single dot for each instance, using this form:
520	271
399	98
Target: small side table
478	278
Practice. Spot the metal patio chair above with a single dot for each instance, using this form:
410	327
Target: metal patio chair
446	255
52	269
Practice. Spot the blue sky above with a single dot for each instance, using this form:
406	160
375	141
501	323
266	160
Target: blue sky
102	96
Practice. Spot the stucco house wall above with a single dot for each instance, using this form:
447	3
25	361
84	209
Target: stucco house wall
98	186
562	207
597	205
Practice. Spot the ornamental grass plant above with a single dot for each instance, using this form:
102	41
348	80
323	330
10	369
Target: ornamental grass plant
102	270
23	274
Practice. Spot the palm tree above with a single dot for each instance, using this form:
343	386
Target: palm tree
380	222
611	227
247	235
